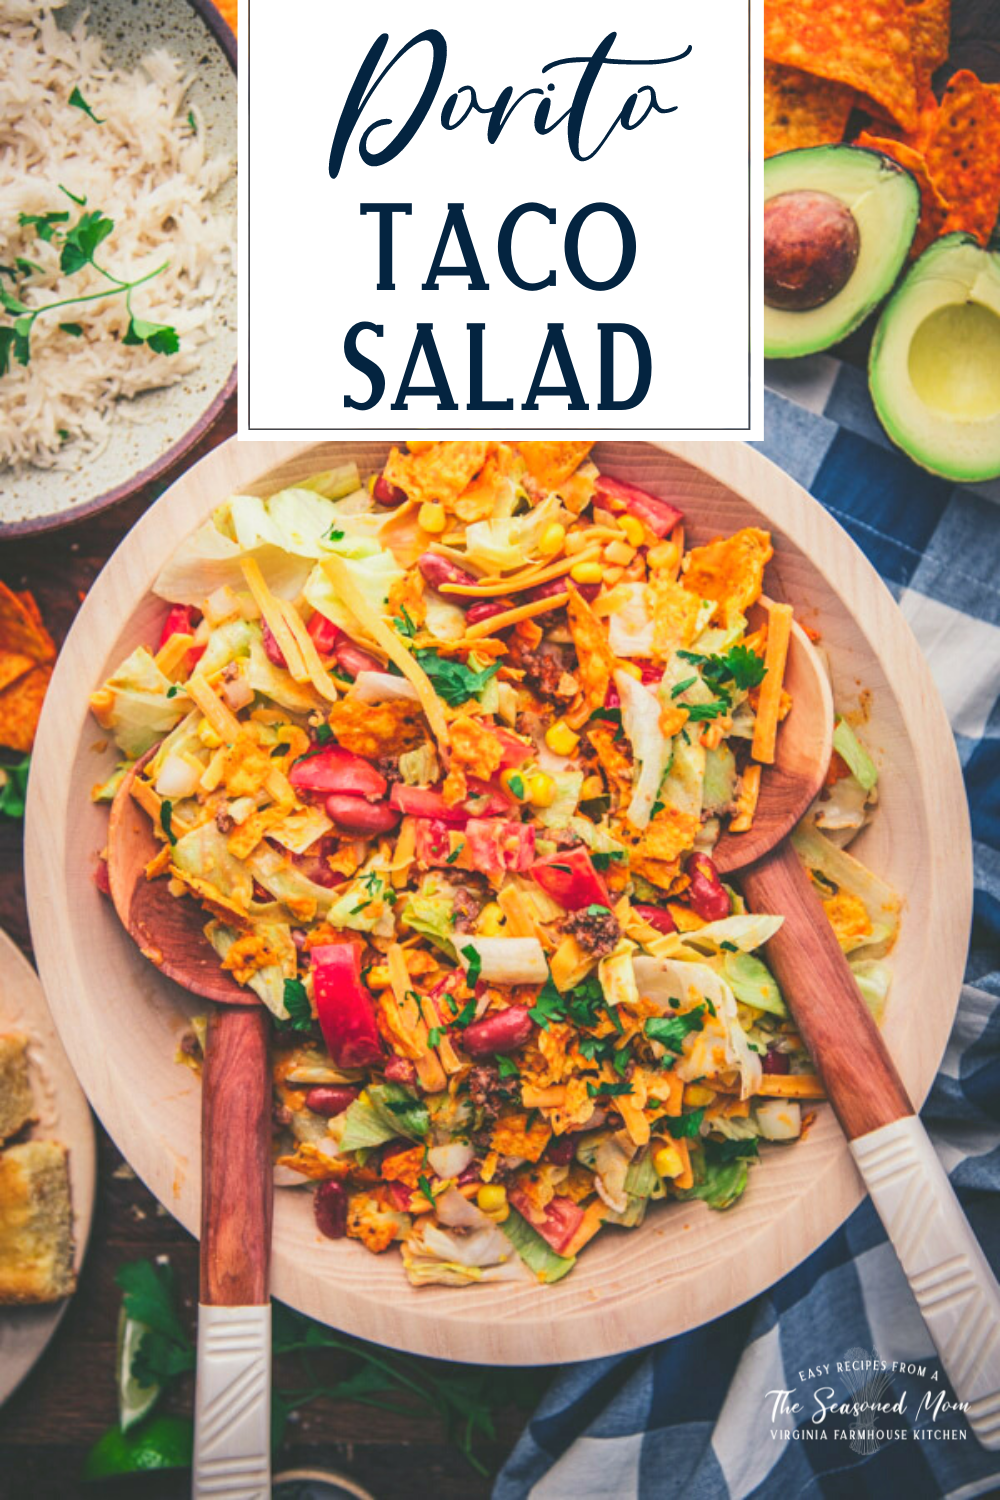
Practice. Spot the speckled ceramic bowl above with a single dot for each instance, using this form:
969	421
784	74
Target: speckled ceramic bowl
176	417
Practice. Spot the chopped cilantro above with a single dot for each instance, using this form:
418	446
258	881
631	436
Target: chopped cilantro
596	910
671	1030
300	1016
682	687
79	102
425	1188
720	1152
475	965
14	788
192	121
467	1012
549	1006
75	330
403	623
454	854
729	947
601	859
583	1000
335	534
507	1068
698	713
516	784
608	1090
434	1036
687	1125
452	680
166	820
322	734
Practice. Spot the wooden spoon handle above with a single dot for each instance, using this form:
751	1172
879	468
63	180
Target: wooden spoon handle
237	1190
232	1446
858	1074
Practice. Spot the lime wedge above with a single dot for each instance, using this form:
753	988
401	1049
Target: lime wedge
160	1443
135	1400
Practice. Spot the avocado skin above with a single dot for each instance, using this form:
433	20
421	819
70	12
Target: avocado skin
941	467
855	173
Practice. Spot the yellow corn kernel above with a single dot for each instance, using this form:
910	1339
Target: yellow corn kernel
665	555
592	786
208	736
491	921
697	1094
541	790
667	1161
552	540
515	784
587	572
633	529
560	739
432	516
492	1200
631	668
378	977
619	553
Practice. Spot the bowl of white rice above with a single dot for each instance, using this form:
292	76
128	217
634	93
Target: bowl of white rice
120	113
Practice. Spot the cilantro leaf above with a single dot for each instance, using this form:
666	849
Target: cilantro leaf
167	820
745	667
164	1350
601	859
28	267
686	1125
608	1090
6	347
300	1016
682	687
475	965
79	102
404	624
719	1152
44	225
74	330
81	201
11	303
671	1030
425	1188
14	789
699	712
83	239
507	1068
549	1006
160	337
452	680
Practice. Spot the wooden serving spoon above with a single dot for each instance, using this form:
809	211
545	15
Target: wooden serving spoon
232	1450
948	1273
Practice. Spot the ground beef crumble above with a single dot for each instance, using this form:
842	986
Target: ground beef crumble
543	670
485	1092
466	907
597	931
388	766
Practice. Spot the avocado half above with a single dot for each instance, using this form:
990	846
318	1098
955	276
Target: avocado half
935	361
881	199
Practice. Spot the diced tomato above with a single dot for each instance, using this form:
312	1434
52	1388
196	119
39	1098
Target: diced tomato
515	750
656	916
182	619
432	844
494	845
499	799
337	770
569	877
345	1009
425	802
563	1218
324	632
659	515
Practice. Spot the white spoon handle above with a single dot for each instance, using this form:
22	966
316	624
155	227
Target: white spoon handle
948	1273
232	1424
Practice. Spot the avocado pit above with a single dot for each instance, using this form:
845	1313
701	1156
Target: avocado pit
811	247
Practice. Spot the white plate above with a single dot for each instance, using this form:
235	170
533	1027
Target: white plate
63	1115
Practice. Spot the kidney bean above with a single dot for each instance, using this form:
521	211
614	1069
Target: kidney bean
386	493
561	1150
706	894
438	570
775	1062
559	586
324	633
330	1209
400	1070
271	647
656	916
356	815
330	1099
486	609
353	660
503	1031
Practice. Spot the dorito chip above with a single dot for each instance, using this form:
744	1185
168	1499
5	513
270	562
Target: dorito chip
21	628
802	110
21	707
865	44
373	729
440	472
963	157
933	208
596	660
674	609
729	571
930	30
492	492
12	666
549	464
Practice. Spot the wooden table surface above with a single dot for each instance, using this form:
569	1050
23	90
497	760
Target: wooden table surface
69	1399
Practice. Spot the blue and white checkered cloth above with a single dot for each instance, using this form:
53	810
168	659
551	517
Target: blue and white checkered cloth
689	1417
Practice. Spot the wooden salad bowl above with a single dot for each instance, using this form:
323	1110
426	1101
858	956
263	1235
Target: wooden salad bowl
121	1019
